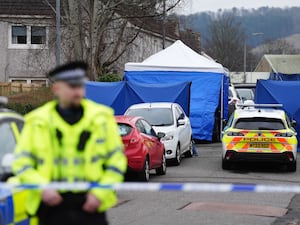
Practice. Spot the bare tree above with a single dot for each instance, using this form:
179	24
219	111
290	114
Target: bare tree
100	32
227	41
279	46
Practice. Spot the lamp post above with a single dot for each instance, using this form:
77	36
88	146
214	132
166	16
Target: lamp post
58	33
245	52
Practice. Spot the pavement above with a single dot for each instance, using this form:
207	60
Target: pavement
179	208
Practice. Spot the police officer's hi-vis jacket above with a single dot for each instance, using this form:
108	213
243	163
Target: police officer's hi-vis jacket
90	150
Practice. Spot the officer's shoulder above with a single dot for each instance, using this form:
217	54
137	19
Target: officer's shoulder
40	114
98	108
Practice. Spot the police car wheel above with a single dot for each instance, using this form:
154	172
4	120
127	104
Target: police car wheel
292	167
144	175
162	170
225	165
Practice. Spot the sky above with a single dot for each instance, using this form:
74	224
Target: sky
194	6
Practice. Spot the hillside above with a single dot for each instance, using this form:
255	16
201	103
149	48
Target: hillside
293	40
275	23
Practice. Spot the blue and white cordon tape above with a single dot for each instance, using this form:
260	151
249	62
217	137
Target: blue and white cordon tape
7	189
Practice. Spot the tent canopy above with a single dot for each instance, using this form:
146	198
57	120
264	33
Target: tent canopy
281	92
179	63
177	57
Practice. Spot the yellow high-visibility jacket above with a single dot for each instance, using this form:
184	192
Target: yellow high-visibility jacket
90	150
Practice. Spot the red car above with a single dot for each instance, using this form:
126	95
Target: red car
143	148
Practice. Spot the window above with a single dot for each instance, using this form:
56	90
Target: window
19	34
180	113
245	94
259	124
38	35
7	139
124	129
28	36
140	127
155	116
148	128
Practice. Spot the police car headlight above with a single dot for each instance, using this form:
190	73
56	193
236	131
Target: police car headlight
284	135
230	133
167	138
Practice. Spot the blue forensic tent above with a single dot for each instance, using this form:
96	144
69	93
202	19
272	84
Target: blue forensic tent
121	95
284	77
282	92
179	63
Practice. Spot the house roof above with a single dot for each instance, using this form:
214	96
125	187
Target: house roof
285	64
26	7
42	8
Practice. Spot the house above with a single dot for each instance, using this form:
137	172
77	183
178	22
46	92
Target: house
281	67
27	30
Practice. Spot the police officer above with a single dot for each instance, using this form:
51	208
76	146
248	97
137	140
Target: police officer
70	139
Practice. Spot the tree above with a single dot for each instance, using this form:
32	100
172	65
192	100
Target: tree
99	30
279	46
227	41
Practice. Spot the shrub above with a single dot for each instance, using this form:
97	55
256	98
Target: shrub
21	108
109	77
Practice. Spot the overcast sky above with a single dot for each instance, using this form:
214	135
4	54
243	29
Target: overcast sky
193	6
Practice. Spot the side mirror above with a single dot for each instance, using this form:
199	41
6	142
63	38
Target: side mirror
180	123
294	123
3	101
160	135
7	162
181	117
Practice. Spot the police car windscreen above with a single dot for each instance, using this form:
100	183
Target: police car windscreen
259	124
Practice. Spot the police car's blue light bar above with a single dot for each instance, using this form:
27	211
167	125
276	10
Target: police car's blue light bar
7	189
260	105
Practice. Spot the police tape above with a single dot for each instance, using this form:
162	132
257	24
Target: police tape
8	189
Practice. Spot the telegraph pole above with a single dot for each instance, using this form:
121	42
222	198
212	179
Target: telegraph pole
164	24
58	33
245	59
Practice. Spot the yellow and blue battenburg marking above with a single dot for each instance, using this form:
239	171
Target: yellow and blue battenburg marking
12	209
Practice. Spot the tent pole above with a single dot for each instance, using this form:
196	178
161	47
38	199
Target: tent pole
222	107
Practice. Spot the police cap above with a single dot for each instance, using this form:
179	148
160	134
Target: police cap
73	73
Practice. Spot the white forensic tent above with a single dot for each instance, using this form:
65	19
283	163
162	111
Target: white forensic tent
179	63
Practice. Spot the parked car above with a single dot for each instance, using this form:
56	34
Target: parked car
249	86
245	94
259	133
12	211
233	100
143	147
170	119
233	96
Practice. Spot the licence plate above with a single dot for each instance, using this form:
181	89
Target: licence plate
259	145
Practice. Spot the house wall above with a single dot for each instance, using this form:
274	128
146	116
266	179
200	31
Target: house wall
25	63
145	45
263	66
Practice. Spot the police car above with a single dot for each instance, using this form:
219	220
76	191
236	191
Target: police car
12	207
259	133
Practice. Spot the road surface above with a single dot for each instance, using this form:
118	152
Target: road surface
178	208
